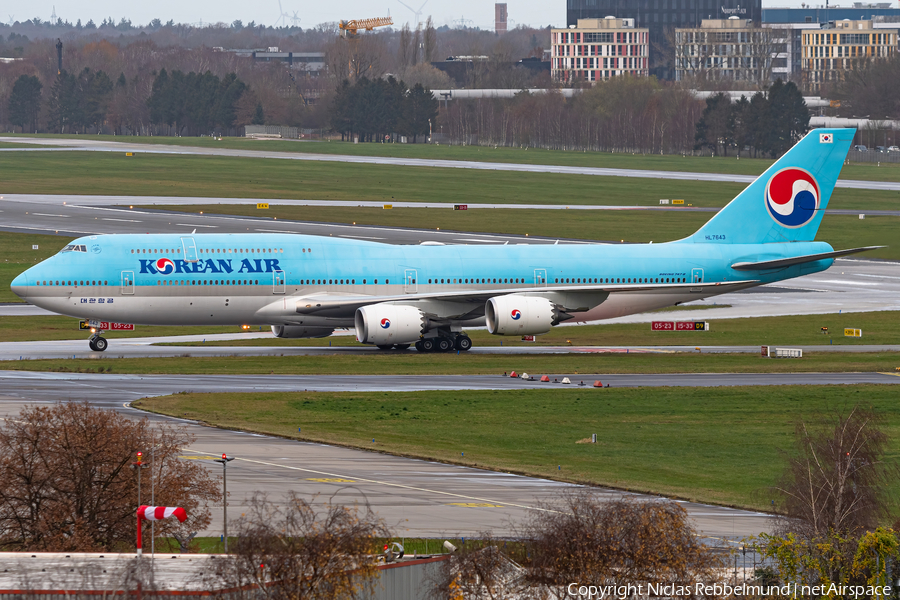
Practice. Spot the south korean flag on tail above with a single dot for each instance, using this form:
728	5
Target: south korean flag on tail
826	138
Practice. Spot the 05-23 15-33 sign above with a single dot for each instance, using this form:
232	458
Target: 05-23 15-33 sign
679	326
105	325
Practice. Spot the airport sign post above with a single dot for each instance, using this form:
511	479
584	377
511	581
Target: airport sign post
105	325
679	326
224	460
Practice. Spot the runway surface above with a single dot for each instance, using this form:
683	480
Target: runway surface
145	347
415	497
46	144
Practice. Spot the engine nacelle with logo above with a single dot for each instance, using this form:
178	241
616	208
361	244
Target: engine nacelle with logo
301	331
388	324
519	315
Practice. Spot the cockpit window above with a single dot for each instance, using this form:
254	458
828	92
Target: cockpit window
75	248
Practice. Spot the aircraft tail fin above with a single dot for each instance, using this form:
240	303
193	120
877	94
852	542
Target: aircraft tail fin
788	201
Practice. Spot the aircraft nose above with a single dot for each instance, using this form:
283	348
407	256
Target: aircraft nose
20	286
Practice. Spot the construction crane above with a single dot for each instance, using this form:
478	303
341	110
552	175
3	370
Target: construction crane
350	29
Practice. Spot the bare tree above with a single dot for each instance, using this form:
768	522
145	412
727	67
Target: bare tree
66	482
837	480
583	538
291	551
429	41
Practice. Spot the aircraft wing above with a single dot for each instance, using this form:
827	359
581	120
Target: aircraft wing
573	298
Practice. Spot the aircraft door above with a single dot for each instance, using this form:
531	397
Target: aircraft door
190	249
127	283
540	277
697	275
278	282
410	286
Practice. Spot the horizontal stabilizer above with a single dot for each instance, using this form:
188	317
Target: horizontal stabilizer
797	260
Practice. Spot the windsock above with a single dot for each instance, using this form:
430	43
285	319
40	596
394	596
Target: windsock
157	513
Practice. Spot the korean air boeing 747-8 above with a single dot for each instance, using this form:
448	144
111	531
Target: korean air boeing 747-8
396	296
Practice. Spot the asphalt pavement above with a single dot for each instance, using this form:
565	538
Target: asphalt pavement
415	497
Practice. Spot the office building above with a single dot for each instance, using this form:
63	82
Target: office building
597	49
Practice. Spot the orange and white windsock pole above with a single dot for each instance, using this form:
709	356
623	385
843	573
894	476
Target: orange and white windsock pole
156	513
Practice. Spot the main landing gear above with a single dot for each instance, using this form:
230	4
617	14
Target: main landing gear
443	343
97	342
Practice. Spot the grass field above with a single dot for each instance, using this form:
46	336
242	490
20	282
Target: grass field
413	363
638	226
227	177
18	255
534	156
718	445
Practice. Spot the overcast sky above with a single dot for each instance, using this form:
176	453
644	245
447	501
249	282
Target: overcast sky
478	13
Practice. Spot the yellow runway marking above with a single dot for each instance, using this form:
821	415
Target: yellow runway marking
893	374
330	480
396	485
475	505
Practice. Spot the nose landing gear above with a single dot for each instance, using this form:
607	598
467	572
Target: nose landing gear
97	342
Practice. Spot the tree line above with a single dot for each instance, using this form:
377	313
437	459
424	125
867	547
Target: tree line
769	123
196	103
185	103
375	110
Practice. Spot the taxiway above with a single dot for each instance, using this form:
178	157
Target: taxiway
416	498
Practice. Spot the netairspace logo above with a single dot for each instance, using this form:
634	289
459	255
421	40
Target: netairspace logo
621	592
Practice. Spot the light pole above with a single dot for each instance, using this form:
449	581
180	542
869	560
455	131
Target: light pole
224	460
138	465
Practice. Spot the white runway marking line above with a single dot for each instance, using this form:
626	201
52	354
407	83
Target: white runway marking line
49	215
362	237
121	220
193	225
375	481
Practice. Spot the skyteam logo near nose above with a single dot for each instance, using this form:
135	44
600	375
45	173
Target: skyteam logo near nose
792	197
165	266
516	314
385	323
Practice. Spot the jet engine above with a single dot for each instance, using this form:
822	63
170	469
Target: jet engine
519	315
388	324
301	331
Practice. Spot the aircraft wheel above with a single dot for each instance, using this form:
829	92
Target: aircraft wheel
444	344
427	345
100	344
463	343
91	344
419	346
385	346
401	346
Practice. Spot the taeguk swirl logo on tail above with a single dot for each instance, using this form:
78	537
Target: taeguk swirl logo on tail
385	323
165	266
516	314
792	197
